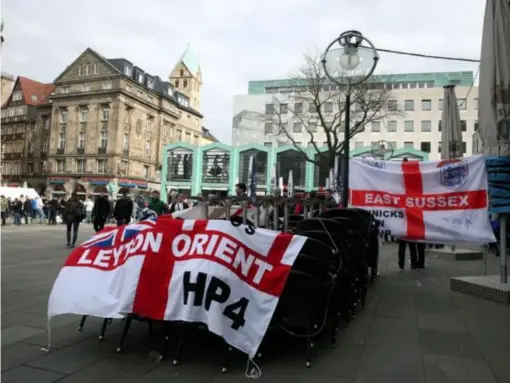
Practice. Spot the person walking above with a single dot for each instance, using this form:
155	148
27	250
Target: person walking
17	211
37	205
27	209
4	206
179	205
89	205
74	213
157	205
100	212
123	209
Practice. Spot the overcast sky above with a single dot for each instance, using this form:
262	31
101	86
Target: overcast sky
234	41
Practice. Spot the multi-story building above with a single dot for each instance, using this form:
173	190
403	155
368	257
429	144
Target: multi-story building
20	134
419	97
207	137
110	120
7	85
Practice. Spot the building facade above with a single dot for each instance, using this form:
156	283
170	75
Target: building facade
418	96
216	168
20	134
110	121
7	85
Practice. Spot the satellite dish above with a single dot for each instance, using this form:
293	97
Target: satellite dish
382	150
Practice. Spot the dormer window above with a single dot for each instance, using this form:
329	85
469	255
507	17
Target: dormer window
128	70
140	77
87	69
170	90
150	83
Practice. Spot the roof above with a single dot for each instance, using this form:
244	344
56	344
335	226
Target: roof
189	59
34	92
207	134
439	79
8	76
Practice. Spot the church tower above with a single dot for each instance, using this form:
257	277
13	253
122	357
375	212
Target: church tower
186	78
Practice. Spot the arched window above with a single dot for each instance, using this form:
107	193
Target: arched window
182	72
176	83
185	83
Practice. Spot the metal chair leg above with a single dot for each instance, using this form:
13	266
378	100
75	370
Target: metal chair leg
226	358
178	349
103	328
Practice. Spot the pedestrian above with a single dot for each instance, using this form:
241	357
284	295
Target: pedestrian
74	213
17	211
100	212
4	207
179	205
157	205
37	205
53	207
27	209
329	201
89	205
123	209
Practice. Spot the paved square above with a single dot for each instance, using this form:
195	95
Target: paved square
413	329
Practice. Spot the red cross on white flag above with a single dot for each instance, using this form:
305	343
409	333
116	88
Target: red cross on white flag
437	201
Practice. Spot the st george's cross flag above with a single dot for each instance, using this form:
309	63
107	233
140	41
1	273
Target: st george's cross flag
223	274
436	201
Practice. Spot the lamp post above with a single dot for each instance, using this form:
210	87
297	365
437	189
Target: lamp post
351	63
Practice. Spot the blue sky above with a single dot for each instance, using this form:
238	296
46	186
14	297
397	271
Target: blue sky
234	41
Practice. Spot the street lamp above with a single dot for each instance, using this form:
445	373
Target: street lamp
349	64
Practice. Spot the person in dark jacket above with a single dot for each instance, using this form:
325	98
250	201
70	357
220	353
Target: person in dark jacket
73	214
100	212
156	204
123	210
179	205
330	202
27	209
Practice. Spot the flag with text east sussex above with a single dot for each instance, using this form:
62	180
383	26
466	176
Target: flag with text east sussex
436	201
225	275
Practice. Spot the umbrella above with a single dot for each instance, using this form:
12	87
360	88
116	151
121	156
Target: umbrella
290	185
494	87
451	132
494	97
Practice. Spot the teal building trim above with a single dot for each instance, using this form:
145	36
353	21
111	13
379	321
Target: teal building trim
195	184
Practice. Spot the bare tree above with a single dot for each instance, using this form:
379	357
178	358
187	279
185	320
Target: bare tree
316	107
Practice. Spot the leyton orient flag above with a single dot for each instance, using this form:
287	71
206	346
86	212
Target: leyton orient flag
437	201
227	276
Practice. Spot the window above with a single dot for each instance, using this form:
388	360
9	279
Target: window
462	103
298	127
30	168
188	137
147	148
63	116
464	147
358	144
140	77
412	85
87	69
125	142
268	144
312	108
439	147
61	166
426	105
96	68
150	83
268	128
101	166
105	113
176	83
341	125
62	139
80	166
80	70
441	104
128	70
409	126
283	127
439	125
107	85
84	114
476	103
284	108
298	107
409	105
179	134
392	105
31	147
146	171
103	139
328	107
269	108
312	127
463	125
408	145
45	146
392	126
85	88
376	126
33	97
476	126
426	126
185	83
393	144
81	140
425	146
421	85
149	128
181	72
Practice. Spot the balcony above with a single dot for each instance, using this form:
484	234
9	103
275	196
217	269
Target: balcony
60	150
101	150
80	150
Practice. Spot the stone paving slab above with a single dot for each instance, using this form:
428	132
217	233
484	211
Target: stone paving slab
412	329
